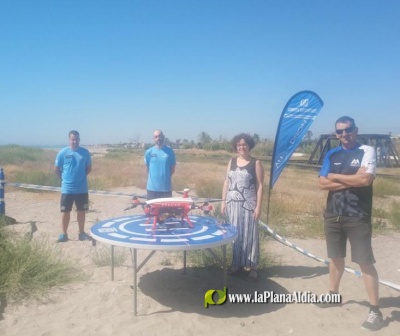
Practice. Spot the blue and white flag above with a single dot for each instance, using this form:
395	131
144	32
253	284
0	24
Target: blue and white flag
296	118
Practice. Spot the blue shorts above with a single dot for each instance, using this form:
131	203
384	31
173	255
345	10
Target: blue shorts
81	202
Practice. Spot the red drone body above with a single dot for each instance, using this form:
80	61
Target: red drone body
165	208
162	209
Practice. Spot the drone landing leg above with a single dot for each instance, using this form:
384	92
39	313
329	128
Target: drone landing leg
155	222
189	222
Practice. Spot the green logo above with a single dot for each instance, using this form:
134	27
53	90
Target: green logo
208	297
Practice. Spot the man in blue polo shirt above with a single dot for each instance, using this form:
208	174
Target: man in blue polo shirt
160	162
72	165
347	173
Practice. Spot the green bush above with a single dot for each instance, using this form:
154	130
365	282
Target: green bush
15	155
37	177
29	268
263	149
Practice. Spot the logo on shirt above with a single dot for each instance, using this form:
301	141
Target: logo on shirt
355	163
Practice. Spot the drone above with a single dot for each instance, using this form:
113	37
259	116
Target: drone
164	209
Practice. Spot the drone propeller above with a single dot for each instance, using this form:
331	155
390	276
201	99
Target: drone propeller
138	196
206	207
196	199
208	200
135	202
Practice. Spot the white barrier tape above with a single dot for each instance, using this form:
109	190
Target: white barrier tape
390	284
265	226
308	254
33	186
49	188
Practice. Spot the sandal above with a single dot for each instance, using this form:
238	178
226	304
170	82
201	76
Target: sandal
252	275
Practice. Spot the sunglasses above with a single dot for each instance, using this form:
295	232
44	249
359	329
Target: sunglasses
347	130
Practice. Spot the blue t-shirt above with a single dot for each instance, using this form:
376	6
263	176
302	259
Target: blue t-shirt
73	165
160	162
354	201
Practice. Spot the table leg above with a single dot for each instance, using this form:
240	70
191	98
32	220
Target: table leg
134	264
136	268
112	262
225	276
184	262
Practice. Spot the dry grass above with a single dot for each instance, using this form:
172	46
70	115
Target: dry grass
110	172
296	203
205	179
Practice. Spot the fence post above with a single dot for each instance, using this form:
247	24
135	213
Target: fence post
2	202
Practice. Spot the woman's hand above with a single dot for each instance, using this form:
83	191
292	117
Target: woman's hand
257	213
223	208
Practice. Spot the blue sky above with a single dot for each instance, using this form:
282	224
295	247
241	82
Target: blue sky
117	70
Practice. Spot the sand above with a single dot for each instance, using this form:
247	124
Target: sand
172	303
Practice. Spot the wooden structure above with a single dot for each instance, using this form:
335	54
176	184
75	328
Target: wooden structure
386	155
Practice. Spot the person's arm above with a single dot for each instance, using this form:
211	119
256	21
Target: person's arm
260	186
58	165
364	176
57	171
225	188
173	162
146	162
337	182
88	164
361	179
324	182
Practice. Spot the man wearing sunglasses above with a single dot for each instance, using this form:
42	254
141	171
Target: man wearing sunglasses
160	162
347	173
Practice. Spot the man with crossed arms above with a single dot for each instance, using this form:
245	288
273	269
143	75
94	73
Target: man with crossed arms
347	173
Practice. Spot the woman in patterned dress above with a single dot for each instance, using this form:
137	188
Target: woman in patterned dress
242	192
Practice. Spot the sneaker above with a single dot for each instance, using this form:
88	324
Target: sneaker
374	321
84	236
62	238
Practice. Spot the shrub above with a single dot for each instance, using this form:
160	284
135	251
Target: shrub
29	268
102	256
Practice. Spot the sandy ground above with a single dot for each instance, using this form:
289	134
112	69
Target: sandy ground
172	303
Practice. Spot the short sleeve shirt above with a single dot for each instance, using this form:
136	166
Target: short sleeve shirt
352	202
73	165
160	162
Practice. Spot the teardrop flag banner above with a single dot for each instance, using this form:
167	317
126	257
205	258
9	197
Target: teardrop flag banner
296	118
